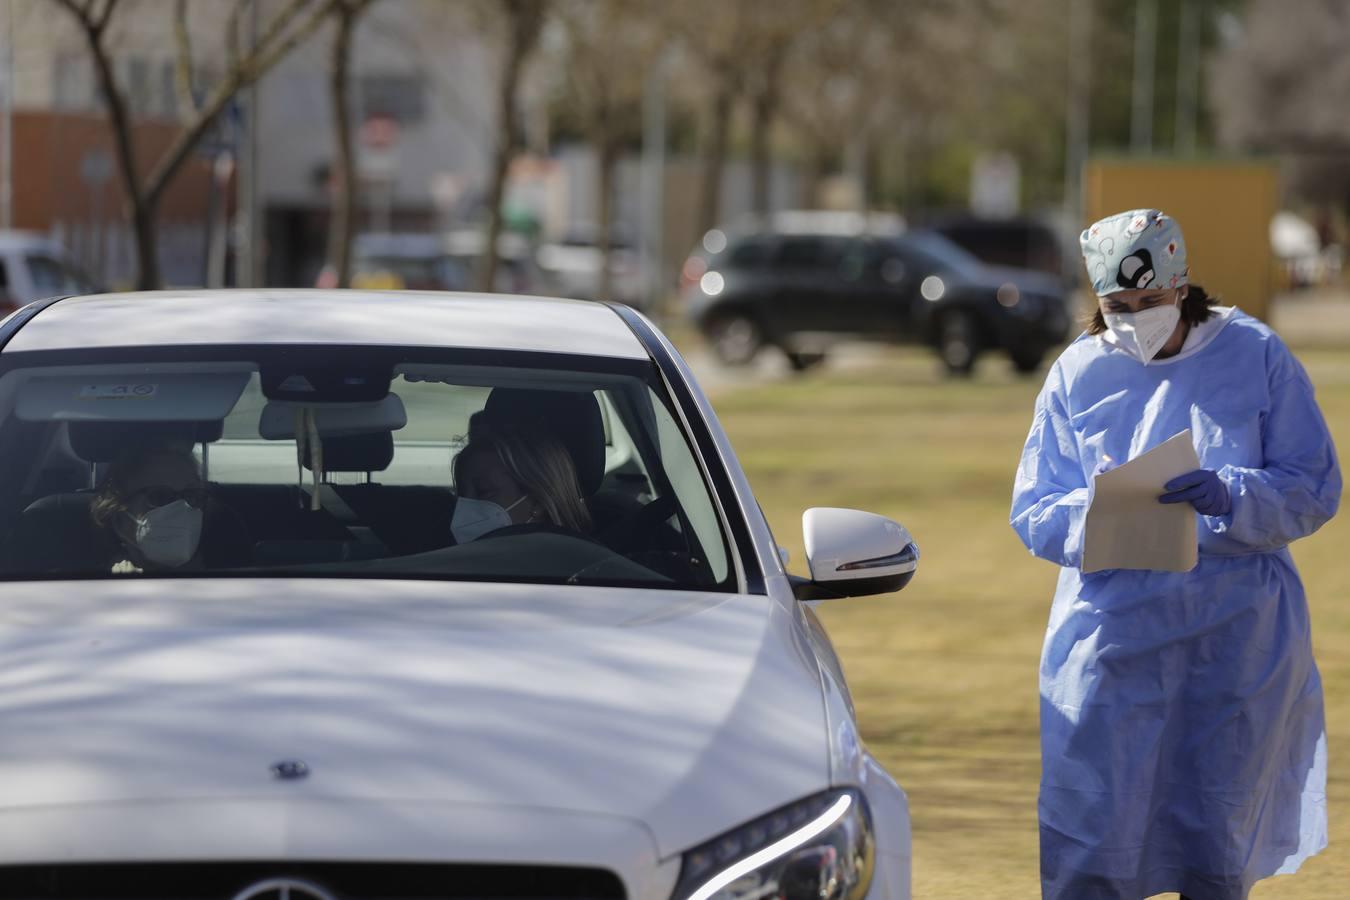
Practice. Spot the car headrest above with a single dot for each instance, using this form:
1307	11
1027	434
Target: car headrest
573	417
105	441
356	453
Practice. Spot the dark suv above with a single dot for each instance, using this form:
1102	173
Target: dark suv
801	291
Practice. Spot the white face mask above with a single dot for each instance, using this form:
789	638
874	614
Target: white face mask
169	535
1144	333
474	518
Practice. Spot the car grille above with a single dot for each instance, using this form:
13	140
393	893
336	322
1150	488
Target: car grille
336	881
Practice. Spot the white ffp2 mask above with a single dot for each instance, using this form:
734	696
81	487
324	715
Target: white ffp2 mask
1144	333
474	518
168	535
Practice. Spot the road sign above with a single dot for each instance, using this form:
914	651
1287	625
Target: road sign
95	168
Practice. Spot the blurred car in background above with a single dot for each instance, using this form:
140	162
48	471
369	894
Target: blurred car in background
1304	261
1013	242
803	288
33	267
417	262
518	270
435	262
572	265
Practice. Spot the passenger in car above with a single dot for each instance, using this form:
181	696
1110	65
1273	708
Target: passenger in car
157	514
511	475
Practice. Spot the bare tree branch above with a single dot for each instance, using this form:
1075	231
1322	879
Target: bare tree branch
249	70
182	75
276	28
79	11
232	51
262	58
141	213
101	22
346	198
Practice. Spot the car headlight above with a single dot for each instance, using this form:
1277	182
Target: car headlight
819	848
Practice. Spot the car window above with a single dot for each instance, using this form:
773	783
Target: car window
800	252
935	252
51	277
346	462
748	253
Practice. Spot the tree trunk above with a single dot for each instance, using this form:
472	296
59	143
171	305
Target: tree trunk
761	164
525	18
607	152
764	109
141	208
345	195
711	192
818	170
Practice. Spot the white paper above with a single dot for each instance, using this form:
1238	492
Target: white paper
1127	528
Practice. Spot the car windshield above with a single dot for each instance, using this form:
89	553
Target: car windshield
325	462
51	276
943	253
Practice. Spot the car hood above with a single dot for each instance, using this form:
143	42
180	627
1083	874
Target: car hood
687	712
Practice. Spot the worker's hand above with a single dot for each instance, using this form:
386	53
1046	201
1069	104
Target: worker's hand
1202	489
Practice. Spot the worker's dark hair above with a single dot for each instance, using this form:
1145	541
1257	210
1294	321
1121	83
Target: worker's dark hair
1197	306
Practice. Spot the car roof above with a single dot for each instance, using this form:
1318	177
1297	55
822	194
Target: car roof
376	318
818	223
27	240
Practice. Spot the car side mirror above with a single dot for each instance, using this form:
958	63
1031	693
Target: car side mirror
854	554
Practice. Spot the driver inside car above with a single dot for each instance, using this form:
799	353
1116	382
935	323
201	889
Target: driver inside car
508	475
156	513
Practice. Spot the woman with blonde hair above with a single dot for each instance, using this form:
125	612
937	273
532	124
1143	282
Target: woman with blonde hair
511	475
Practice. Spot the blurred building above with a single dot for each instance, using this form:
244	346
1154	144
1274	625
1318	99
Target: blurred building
65	180
422	98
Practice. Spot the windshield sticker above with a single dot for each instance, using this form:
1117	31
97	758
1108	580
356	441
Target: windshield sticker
141	391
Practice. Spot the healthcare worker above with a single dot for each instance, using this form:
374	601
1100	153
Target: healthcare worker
1182	735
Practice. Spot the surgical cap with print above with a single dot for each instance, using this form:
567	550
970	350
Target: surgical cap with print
1137	250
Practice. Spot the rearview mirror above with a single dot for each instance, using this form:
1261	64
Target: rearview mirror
854	554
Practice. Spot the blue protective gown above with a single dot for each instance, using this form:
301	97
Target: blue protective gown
1182	735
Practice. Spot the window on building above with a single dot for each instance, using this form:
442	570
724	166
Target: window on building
73	83
168	91
401	97
140	95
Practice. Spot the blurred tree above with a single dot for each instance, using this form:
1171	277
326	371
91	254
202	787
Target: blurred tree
1279	87
872	87
519	24
346	184
776	27
713	33
608	45
291	23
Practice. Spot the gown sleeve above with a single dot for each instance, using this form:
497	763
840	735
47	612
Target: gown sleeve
1050	494
1299	486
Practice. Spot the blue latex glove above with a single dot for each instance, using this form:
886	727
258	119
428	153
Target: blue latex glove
1202	489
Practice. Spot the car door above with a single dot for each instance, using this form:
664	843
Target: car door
873	287
811	295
